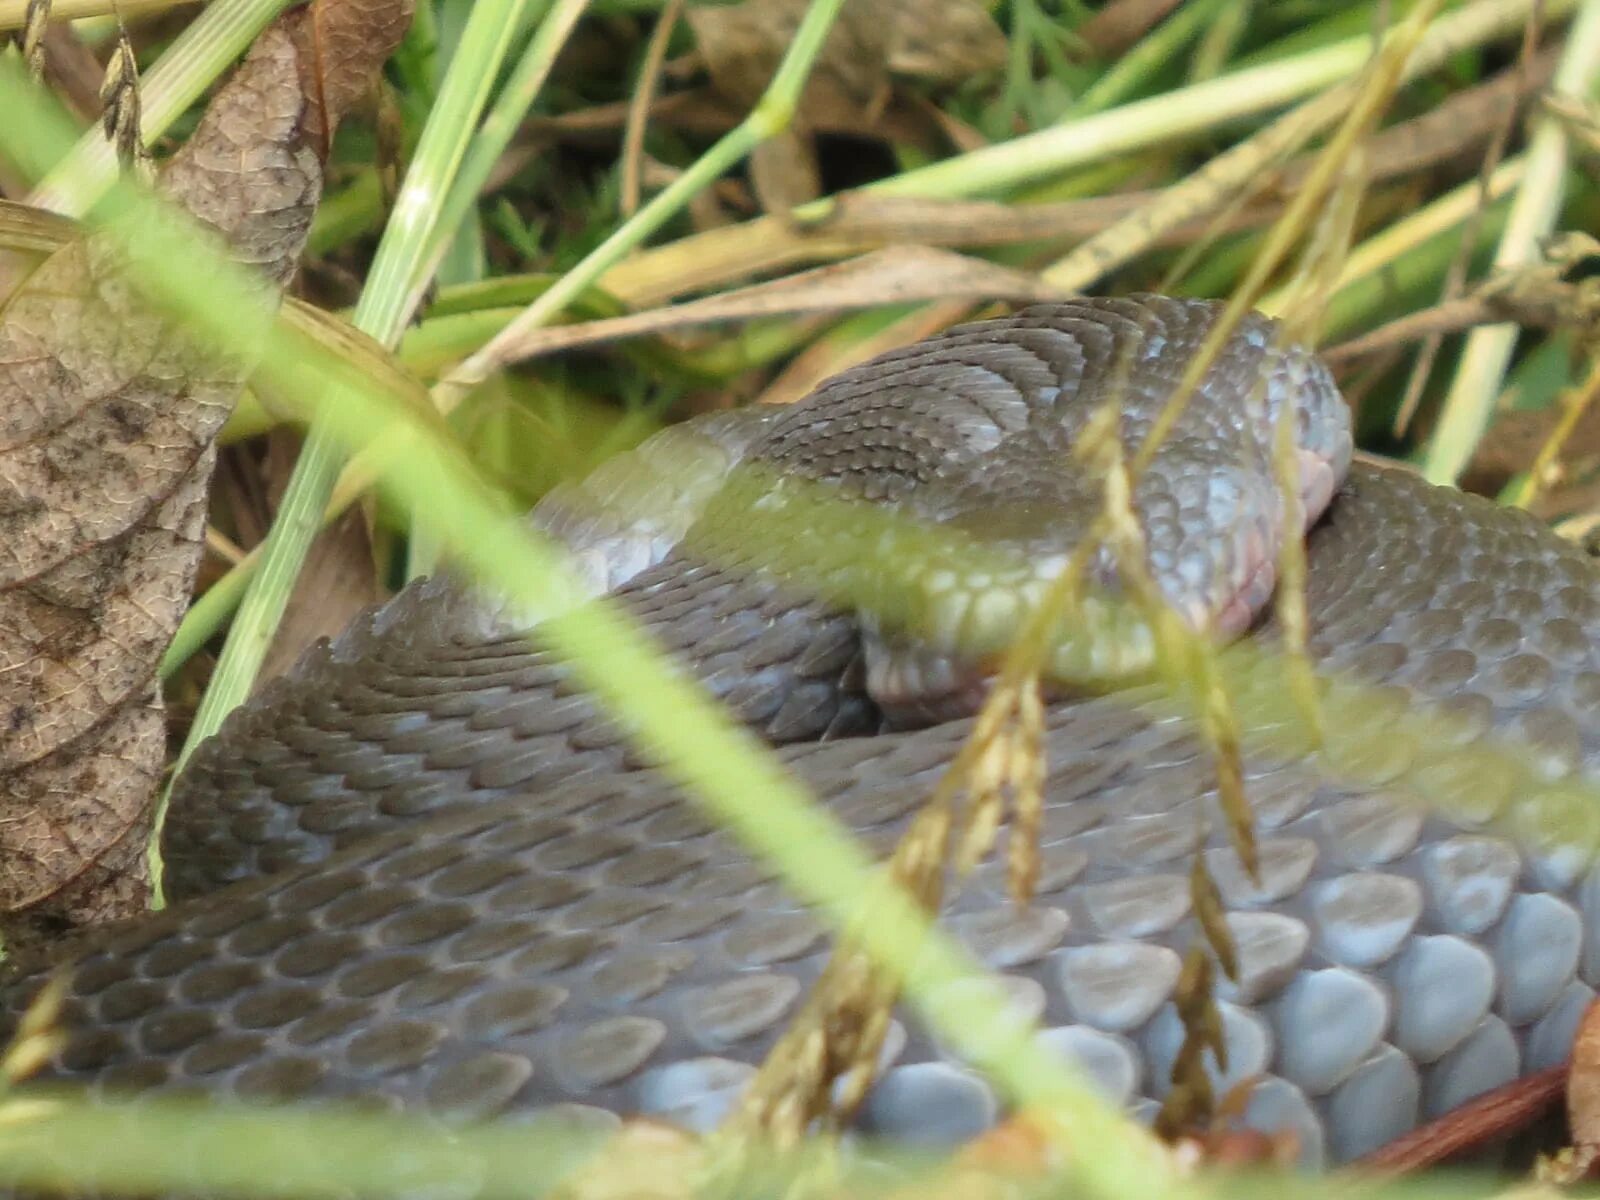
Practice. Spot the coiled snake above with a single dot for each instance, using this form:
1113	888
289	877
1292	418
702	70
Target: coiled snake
455	888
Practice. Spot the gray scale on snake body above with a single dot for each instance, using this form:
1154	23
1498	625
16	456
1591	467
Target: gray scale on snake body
520	925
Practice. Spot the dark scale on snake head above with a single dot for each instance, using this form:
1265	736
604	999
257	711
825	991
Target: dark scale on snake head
487	909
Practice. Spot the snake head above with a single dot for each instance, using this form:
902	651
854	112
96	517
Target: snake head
1199	530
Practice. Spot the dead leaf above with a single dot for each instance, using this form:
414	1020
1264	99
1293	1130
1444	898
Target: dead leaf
938	41
343	45
784	171
743	43
108	411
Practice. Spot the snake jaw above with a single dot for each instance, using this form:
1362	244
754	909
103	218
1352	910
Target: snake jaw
939	665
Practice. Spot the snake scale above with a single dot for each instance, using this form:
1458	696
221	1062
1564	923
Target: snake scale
448	885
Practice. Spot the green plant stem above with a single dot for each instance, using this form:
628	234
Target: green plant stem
499	126
206	48
458	220
1182	112
209	613
383	312
14	13
1487	352
771	115
386	303
351	211
1219	41
1158	48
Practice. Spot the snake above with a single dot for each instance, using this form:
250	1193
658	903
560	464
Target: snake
426	870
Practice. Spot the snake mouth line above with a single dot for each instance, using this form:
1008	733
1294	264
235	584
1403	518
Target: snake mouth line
1113	646
1318	478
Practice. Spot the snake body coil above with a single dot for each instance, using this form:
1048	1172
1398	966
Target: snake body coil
462	894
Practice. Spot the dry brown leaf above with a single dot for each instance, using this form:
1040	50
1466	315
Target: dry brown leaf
108	411
784	171
28	235
897	275
743	43
942	41
343	45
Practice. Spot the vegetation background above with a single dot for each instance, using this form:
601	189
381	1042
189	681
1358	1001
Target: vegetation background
572	221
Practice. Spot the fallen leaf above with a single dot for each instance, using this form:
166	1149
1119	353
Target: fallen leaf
343	45
872	42
28	235
743	43
939	41
108	411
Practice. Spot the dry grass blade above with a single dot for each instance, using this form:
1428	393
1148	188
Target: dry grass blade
857	222
1409	52
1191	1102
896	275
826	1059
1583	1106
1451	317
639	107
1574	408
38	1034
14	13
1528	65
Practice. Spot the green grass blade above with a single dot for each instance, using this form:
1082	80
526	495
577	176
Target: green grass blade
1185	111
737	777
501	124
772	114
210	44
383	312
